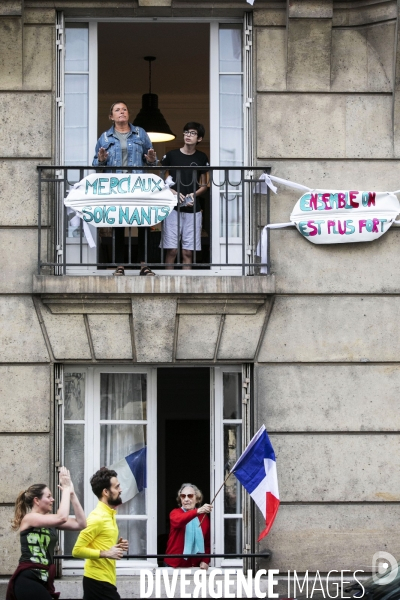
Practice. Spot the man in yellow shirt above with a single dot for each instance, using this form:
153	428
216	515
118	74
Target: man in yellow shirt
98	542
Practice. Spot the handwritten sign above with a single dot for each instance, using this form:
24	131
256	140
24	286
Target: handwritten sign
340	217
121	199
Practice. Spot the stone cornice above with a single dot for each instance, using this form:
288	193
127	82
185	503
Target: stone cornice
161	285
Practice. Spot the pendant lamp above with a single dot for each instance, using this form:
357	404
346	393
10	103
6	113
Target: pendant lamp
150	117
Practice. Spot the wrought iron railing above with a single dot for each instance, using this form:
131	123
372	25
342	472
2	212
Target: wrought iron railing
233	203
249	558
266	555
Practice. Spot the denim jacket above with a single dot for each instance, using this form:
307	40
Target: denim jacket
138	144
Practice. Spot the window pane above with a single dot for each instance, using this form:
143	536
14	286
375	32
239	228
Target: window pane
74	402
123	396
74	440
232	385
136	506
232	451
230	48
77	48
233	536
76	119
231	120
116	443
76	96
135	533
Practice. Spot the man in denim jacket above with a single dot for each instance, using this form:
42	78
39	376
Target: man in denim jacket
124	145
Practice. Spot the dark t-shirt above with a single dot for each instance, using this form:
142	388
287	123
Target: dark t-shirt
189	180
37	547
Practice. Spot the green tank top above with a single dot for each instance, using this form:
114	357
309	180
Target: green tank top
37	546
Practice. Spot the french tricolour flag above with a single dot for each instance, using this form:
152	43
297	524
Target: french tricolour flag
256	471
131	472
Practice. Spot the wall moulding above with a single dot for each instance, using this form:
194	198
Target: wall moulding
162	329
78	287
310	9
11	8
363	12
84	305
270	17
245	305
221	306
142	8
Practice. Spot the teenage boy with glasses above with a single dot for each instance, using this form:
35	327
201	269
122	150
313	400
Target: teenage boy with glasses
193	183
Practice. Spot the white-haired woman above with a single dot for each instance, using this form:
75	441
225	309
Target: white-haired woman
188	534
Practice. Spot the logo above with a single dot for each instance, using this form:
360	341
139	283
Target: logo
385	568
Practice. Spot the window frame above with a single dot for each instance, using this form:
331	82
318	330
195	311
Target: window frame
217	242
92	459
92	423
218	461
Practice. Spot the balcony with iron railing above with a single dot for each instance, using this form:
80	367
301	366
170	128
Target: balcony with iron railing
233	213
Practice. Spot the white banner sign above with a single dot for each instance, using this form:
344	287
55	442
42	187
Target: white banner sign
121	199
332	216
340	217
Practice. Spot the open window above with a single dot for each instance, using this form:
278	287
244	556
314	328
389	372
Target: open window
202	76
192	421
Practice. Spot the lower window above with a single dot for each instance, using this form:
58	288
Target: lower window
187	420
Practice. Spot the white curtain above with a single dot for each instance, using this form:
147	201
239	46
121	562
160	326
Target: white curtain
123	398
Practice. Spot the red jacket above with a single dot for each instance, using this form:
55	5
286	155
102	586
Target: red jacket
176	541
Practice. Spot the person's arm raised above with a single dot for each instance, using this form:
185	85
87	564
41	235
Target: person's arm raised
149	153
79	522
151	157
99	159
36	519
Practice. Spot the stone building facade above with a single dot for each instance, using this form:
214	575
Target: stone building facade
318	336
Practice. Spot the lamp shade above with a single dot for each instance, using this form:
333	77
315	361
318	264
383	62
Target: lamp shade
152	121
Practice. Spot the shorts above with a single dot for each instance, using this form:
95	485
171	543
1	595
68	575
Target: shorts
99	590
186	230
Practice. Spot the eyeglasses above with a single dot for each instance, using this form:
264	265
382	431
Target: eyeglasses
183	496
190	133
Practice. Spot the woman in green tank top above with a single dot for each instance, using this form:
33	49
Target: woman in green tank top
34	577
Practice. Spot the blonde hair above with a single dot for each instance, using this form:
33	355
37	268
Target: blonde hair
199	495
24	502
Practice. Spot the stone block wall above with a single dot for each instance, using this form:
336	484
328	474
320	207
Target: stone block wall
27	42
327	376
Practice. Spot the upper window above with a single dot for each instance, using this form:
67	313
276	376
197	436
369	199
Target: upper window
211	93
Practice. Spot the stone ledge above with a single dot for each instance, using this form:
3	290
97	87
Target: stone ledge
160	285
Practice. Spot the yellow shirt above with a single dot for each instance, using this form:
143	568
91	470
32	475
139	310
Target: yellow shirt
101	533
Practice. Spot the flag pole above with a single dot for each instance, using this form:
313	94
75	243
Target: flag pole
212	501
